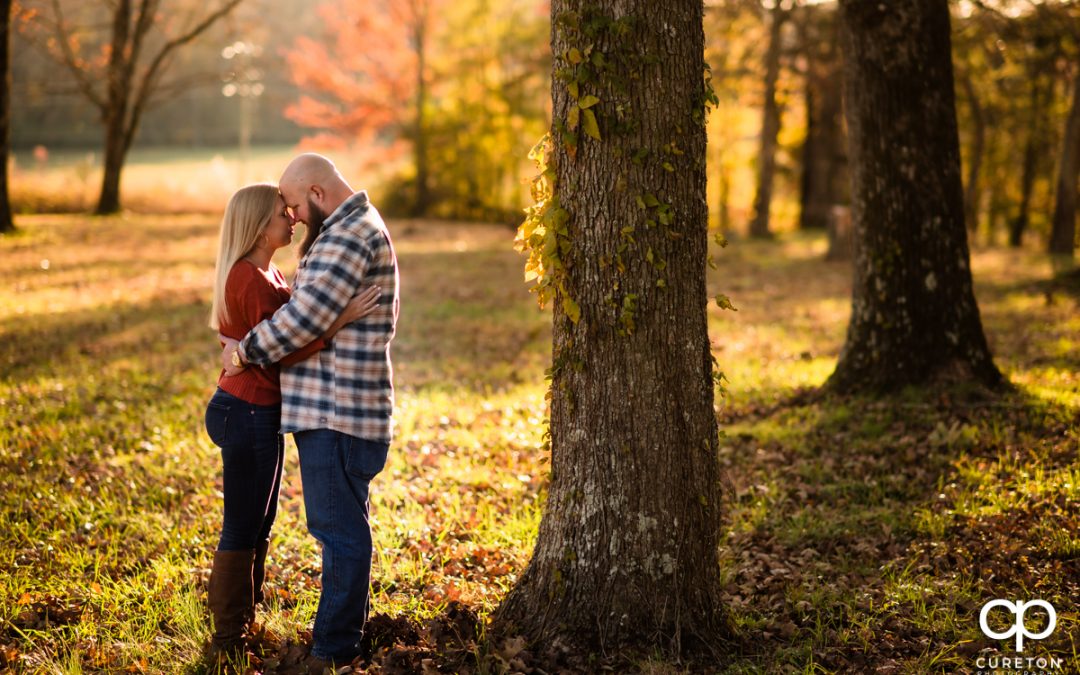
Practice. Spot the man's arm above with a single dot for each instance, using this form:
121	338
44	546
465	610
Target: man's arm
334	270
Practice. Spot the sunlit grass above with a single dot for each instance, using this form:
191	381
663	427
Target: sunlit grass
837	515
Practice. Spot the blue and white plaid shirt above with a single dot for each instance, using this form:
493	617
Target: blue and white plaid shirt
347	387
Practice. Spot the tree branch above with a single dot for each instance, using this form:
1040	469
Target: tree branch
71	60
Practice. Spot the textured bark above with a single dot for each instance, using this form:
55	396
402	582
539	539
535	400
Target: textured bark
770	125
7	224
1063	232
824	158
627	551
914	318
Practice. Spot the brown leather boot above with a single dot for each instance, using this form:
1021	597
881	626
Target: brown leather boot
231	600
258	571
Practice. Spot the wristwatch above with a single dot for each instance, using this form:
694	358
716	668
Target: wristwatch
236	358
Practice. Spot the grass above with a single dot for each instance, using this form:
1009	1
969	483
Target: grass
861	535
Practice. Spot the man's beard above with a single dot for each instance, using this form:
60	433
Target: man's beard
316	220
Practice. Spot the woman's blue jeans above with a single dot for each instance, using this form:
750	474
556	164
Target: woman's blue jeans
252	455
336	470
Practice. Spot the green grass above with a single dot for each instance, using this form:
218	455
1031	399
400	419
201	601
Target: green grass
861	535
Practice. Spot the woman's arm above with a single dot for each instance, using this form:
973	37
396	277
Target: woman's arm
357	308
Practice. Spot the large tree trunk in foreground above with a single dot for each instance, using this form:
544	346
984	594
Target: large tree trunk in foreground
914	318
1063	232
7	224
628	546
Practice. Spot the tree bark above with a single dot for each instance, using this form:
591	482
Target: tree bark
7	223
914	318
824	157
1063	232
770	125
627	552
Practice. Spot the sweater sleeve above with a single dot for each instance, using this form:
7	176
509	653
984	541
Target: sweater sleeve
257	301
336	266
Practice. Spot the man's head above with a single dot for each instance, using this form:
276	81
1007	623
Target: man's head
312	189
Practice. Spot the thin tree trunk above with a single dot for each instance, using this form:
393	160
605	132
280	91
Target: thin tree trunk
627	551
1063	232
914	318
423	196
824	182
7	223
1019	224
976	152
770	126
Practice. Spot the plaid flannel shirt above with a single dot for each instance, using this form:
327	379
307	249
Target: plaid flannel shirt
347	387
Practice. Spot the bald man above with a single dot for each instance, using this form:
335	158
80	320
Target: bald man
337	404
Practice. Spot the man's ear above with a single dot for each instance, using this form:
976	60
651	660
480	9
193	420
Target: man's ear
318	193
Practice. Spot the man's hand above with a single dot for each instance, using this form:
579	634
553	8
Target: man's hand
230	346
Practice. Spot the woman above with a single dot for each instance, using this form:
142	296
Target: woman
244	415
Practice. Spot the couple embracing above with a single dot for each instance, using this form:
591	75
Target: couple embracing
314	361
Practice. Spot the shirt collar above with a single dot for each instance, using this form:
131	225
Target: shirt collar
358	200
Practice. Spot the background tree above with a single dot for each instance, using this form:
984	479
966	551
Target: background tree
824	182
1066	17
380	91
770	119
120	72
7	224
914	317
628	545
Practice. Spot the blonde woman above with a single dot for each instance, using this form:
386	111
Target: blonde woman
244	415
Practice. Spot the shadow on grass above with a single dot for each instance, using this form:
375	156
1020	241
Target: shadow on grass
40	346
865	534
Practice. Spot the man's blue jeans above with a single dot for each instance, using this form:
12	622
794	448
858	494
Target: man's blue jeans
336	470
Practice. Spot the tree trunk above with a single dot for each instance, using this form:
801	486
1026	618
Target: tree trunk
914	318
1063	232
1027	177
115	155
770	126
423	195
824	161
976	151
7	224
627	551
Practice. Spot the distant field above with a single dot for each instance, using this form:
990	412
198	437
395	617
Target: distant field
162	180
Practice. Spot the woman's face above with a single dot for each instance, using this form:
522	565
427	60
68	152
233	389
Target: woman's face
279	231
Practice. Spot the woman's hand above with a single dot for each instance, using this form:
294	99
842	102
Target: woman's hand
226	355
362	305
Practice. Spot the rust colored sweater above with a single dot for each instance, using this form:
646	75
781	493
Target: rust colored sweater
253	295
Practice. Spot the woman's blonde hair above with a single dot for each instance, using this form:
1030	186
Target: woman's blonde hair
246	217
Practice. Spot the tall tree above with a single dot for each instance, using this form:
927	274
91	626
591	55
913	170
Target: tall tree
122	73
914	318
824	156
7	224
770	120
1063	226
628	544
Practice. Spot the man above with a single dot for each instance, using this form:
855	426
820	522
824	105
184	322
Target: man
338	403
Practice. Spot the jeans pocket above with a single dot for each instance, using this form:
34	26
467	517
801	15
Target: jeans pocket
366	458
217	422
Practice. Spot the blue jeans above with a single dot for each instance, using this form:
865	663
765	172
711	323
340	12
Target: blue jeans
336	470
252	454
